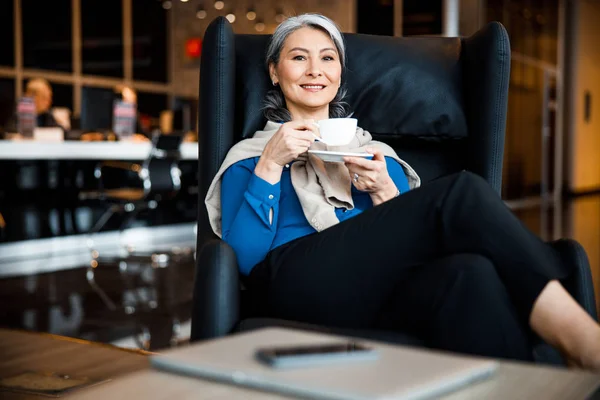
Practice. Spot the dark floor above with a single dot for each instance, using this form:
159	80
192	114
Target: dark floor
150	303
153	304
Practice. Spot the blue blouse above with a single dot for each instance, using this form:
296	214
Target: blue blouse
247	201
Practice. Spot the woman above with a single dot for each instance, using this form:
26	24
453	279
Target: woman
360	245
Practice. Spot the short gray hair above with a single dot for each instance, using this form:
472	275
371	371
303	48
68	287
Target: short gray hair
275	108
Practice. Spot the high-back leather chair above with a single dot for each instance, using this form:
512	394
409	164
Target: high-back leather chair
439	102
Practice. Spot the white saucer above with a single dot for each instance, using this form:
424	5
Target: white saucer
338	156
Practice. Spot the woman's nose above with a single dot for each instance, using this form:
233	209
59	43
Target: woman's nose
314	69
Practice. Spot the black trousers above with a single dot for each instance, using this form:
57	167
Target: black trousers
386	268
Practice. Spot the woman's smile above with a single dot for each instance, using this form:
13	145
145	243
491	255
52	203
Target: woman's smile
313	88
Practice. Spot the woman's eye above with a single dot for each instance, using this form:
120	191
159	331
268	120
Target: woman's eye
299	58
328	58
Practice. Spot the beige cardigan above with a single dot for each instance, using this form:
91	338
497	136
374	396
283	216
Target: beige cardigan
321	187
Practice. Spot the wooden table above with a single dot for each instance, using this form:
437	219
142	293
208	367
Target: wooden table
25	351
132	378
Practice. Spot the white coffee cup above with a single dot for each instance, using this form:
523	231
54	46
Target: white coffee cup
337	131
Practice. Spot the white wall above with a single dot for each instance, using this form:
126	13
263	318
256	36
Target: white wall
583	68
186	25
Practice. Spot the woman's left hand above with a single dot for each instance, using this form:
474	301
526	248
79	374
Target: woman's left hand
372	176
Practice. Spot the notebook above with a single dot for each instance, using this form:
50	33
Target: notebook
398	373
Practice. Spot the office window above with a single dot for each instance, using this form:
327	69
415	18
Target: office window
7	101
151	104
62	96
102	38
149	41
47	34
7	33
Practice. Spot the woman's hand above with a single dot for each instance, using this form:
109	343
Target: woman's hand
292	139
373	176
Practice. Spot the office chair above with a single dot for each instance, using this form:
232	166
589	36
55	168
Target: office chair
158	179
439	102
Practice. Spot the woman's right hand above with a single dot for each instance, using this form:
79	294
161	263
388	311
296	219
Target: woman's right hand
291	139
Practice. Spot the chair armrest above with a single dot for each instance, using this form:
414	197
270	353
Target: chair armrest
216	301
580	283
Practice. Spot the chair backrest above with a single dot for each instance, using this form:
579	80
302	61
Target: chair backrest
439	102
160	172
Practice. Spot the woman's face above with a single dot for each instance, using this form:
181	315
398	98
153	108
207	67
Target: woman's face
309	73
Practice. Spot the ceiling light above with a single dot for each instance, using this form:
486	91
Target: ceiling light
219	4
279	15
251	15
231	18
167	5
260	26
201	13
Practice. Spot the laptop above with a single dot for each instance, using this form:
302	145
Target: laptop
397	373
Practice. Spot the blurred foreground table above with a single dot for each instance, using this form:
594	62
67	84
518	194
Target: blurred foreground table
22	351
131	376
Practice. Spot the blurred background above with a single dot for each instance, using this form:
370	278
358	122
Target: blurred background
78	259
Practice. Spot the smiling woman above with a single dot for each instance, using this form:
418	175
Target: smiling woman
309	73
306	55
350	244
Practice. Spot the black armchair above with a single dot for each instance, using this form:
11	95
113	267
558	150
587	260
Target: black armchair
439	102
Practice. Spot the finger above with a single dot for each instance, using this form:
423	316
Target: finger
364	174
294	135
304	124
359	185
300	144
361	162
305	135
377	154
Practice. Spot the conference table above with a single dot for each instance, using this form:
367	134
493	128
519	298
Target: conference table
127	374
77	150
39	186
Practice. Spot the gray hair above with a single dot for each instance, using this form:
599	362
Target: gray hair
274	106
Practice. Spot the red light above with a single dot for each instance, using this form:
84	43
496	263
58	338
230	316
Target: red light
193	47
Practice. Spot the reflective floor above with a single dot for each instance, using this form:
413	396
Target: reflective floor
152	304
577	218
145	306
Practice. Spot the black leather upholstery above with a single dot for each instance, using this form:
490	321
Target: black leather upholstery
440	102
385	77
216	111
216	302
435	113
